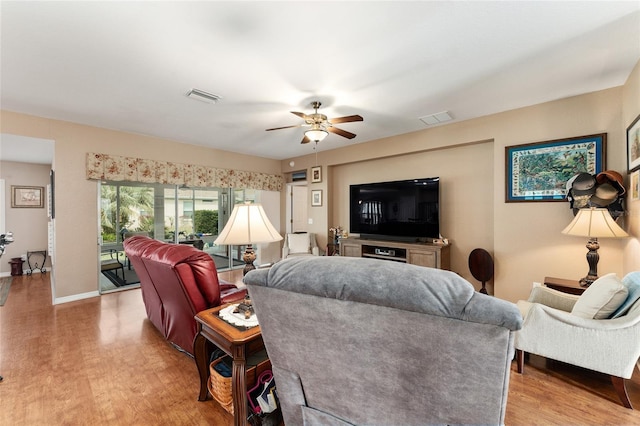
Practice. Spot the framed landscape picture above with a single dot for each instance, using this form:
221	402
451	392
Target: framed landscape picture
539	171
633	145
27	196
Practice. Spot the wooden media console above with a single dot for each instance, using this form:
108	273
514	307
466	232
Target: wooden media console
421	254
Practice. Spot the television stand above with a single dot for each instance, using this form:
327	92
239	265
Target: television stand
421	254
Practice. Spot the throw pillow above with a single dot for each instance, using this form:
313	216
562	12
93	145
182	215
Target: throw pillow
602	298
299	243
632	282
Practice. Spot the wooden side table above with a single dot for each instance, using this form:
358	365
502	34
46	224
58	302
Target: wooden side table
235	342
564	285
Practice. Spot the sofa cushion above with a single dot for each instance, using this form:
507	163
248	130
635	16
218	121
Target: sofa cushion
632	282
602	298
416	288
299	243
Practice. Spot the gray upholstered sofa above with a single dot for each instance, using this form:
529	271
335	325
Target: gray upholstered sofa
373	342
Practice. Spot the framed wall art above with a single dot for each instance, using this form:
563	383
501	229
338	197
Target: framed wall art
634	185
27	196
539	171
316	198
633	145
316	174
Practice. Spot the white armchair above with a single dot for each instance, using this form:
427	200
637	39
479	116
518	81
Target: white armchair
300	244
609	346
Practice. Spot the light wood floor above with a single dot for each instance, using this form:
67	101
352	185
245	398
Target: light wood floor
101	362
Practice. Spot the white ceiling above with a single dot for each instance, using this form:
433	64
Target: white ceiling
24	149
128	65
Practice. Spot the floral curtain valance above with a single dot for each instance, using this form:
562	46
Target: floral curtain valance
116	168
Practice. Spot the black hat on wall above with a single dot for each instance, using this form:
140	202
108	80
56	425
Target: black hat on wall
606	189
584	184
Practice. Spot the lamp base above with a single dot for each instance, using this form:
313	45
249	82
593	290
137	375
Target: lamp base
588	280
592	259
248	257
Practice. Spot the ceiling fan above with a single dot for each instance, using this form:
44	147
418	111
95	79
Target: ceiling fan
320	125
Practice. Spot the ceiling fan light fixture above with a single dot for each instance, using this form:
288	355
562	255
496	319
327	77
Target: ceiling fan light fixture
316	133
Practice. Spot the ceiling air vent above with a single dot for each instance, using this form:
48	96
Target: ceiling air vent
437	118
203	96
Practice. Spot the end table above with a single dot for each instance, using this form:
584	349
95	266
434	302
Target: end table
235	342
564	285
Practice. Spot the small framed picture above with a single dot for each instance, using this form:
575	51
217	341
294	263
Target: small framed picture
633	145
634	190
27	196
316	174
316	197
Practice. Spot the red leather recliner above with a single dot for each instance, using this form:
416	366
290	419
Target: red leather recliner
177	282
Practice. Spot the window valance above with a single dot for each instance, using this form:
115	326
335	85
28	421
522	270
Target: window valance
117	168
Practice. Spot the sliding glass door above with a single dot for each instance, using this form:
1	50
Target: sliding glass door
167	213
125	208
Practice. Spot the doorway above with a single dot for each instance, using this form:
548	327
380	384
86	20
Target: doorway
296	207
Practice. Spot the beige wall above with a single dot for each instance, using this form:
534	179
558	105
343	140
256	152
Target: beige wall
29	225
631	110
524	238
466	194
76	229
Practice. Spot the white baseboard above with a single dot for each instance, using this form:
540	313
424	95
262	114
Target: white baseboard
75	297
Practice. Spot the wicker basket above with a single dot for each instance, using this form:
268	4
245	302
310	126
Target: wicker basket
220	387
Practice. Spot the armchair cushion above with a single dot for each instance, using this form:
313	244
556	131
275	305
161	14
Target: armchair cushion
299	243
632	282
602	298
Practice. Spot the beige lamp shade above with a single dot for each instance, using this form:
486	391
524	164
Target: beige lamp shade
594	222
248	224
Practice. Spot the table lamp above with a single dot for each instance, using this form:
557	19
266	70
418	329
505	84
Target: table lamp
593	223
247	225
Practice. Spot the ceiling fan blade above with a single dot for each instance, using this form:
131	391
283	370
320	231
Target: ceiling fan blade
285	127
341	132
300	114
305	139
346	119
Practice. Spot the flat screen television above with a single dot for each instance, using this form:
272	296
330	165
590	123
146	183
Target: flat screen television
406	210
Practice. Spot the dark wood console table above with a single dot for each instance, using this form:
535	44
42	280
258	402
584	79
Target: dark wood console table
238	344
564	285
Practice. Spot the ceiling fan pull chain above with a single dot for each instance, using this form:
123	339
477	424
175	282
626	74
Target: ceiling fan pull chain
315	148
